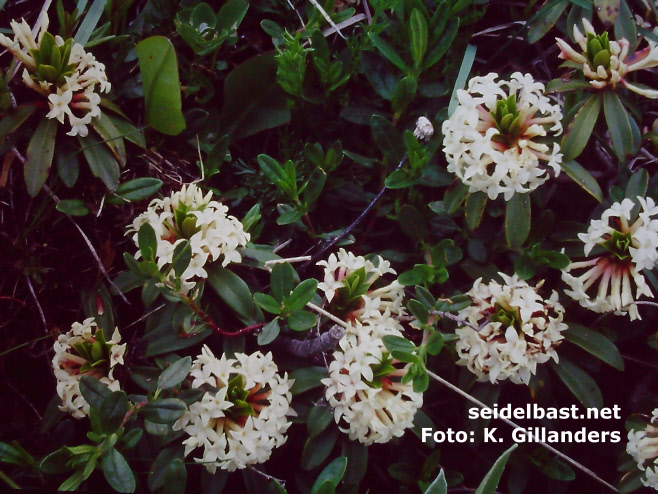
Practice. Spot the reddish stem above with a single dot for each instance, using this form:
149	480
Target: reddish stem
209	322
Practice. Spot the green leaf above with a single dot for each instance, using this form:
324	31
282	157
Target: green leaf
619	125
269	333
441	47
235	293
111	136
89	22
307	378
439	485
302	320
418	28
289	217
113	411
267	303
583	387
117	472
13	119
16	454
625	26
490	481
474	209
40	153
412	222
301	295
404	94
580	129
388	139
73	482
159	69
93	391
253	101
73	207
332	474
454	196
181	257
388	51
517	220
137	189
318	448
319	419
560	86
462	77
175	373
545	20
101	161
583	178
163	411
398	343
282	280
637	185
147	241
596	344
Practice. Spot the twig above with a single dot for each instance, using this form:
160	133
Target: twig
144	316
268	477
326	314
317	5
287	259
515	426
36	300
324	343
13	299
90	246
329	243
366	9
210	323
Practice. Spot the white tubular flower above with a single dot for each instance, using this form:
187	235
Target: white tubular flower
73	87
629	249
494	141
348	284
364	387
517	329
189	215
84	351
424	129
643	447
606	63
244	418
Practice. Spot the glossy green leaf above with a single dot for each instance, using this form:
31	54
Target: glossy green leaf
40	153
175	373
619	125
302	320
73	207
332	474
474	209
491	479
307	378
137	189
101	161
181	258
637	185
580	129
319	419
235	293
13	119
545	20
583	387
163	411
89	22
388	139
418	29
454	196
111	136
117	471
269	333
301	295
93	391
439	485
318	448
596	344
147	241
438	49
583	178
268	303
282	280
388	51
517	220
625	26
159	69
404	94
398	343
113	411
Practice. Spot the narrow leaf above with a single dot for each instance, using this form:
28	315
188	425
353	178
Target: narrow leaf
517	220
583	178
175	373
580	129
40	153
596	344
579	383
491	479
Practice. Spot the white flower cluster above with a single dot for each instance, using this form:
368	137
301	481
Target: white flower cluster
516	330
643	447
364	386
498	153
189	215
379	304
68	364
611	67
78	96
629	249
424	128
244	417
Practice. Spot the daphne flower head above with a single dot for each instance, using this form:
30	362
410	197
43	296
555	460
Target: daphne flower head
606	63
83	350
190	215
643	447
243	417
611	280
511	330
495	140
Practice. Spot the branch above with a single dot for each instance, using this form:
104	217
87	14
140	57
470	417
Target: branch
203	316
324	343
